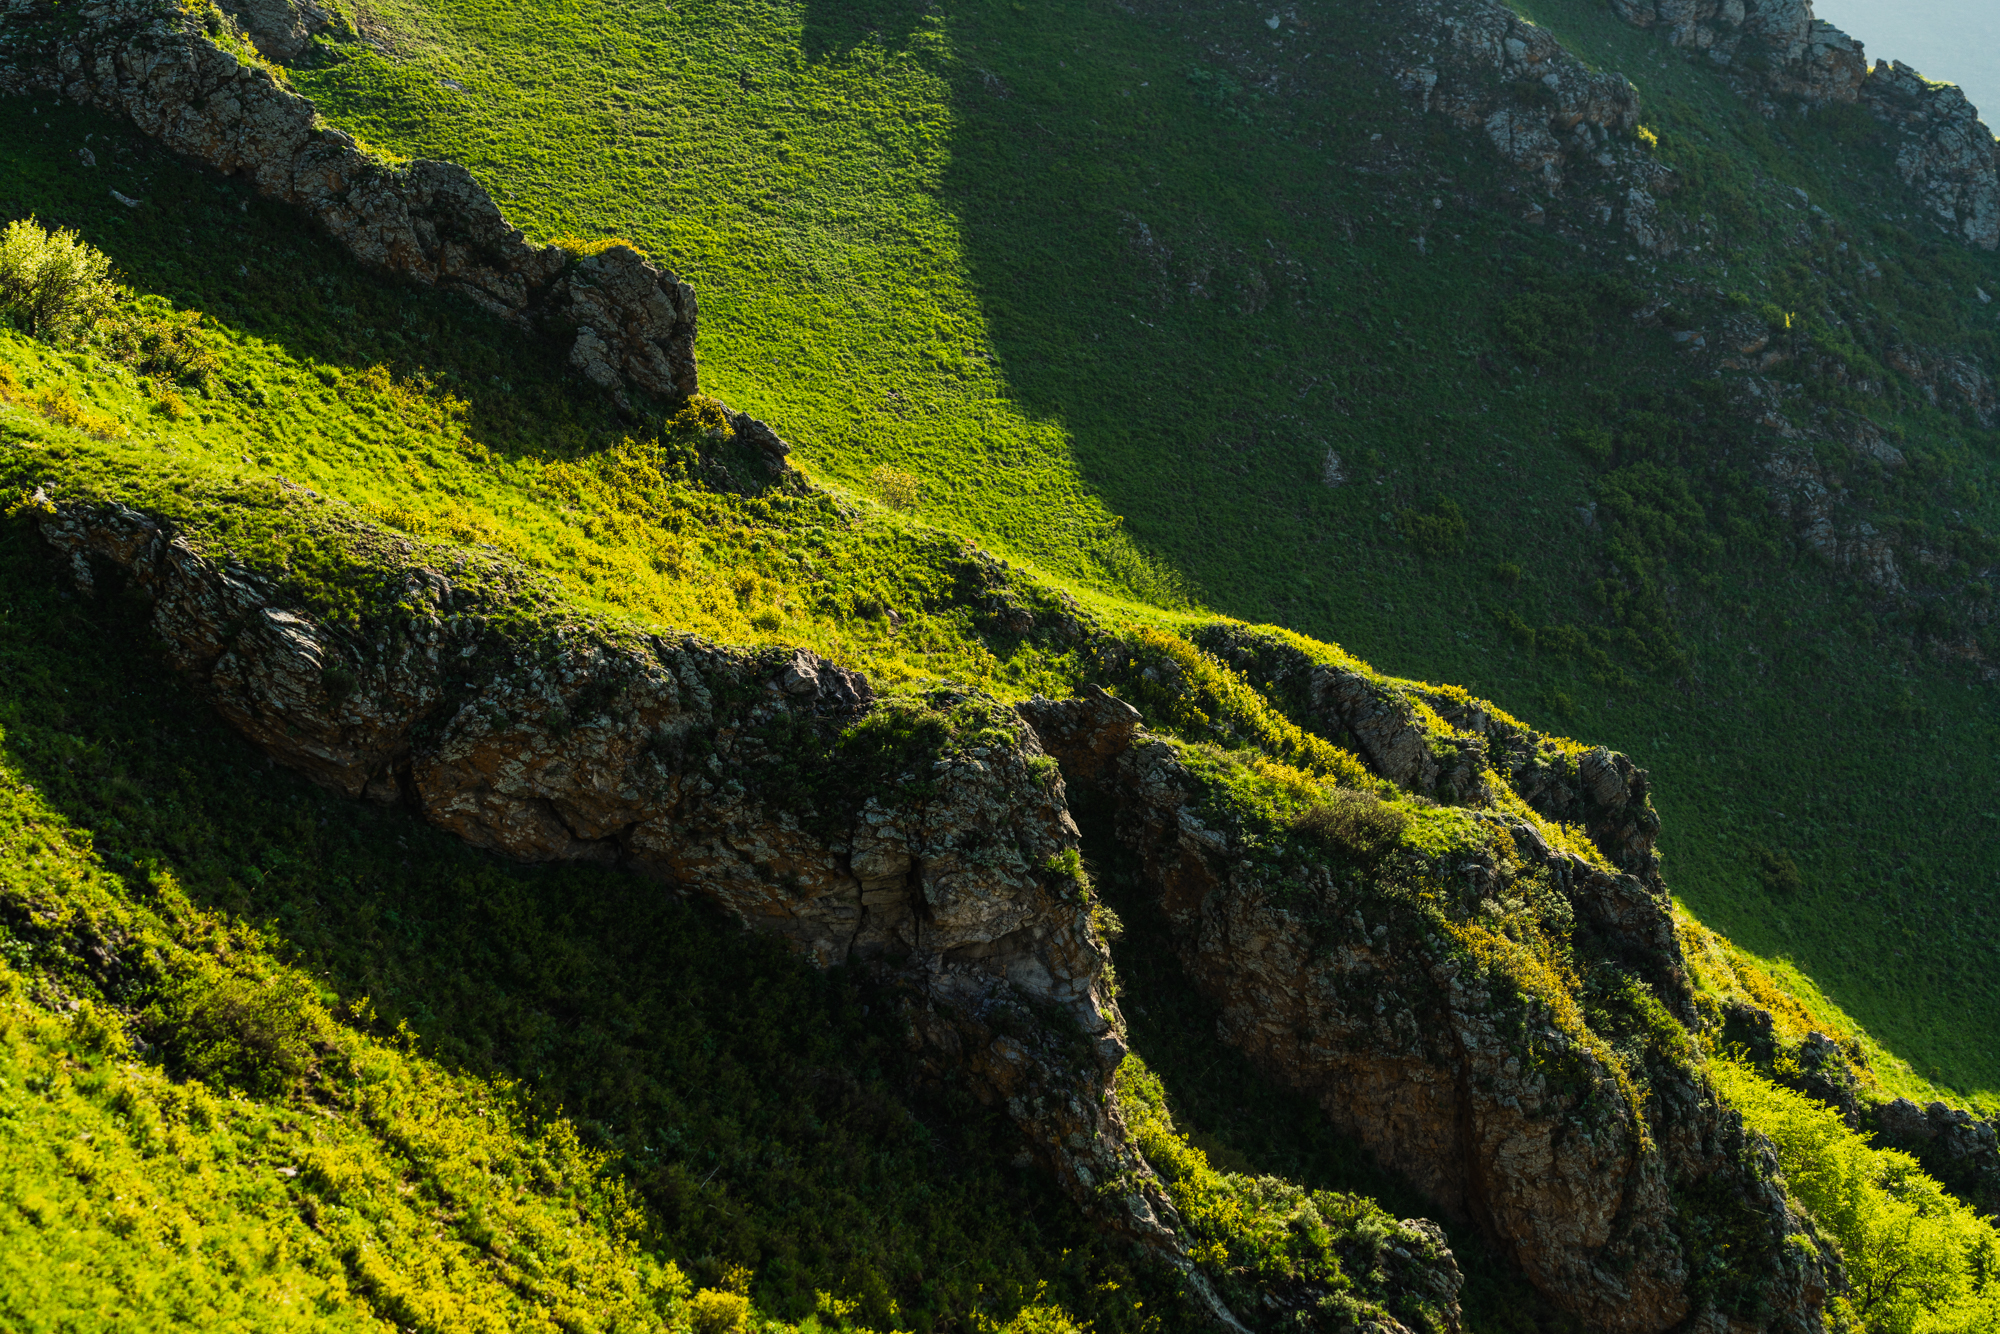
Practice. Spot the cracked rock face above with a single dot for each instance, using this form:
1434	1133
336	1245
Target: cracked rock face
1800	55
1778	48
1549	111
1949	157
1959	1149
679	759
281	30
628	324
1501	1114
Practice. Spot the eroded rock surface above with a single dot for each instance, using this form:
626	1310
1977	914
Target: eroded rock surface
1778	49
1485	66
1948	156
627	324
1455	755
1606	1182
1794	53
923	850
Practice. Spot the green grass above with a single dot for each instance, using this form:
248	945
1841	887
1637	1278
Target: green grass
1065	263
1113	337
564	1076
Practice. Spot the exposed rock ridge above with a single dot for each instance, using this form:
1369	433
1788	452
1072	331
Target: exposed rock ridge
1948	155
1500	1113
1777	48
1548	109
625	322
653	752
1598	790
1790	52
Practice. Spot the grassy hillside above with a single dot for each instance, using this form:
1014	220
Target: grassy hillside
1091	300
410	1083
1116	284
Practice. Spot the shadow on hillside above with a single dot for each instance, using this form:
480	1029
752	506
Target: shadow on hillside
1243	1120
1168	262
836	26
765	1110
260	272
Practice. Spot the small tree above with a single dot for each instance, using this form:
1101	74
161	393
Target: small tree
55	284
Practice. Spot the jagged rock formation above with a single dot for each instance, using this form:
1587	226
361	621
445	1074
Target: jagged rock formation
1776	48
1455	758
1551	115
1792	53
681	760
282	30
1949	156
1817	1066
626	323
1607	1185
1547	108
924	842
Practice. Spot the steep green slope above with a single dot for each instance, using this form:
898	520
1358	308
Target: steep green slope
1085	261
714	1101
440	423
432	1089
588	991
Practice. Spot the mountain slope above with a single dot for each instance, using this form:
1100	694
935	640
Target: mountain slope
1176	265
678	520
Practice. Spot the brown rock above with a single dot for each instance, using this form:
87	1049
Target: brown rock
667	756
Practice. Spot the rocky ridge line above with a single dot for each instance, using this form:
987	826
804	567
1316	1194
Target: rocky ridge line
573	744
1779	49
626	323
1456	759
1551	115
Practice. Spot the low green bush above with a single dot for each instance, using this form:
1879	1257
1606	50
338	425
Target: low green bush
236	1031
53	283
1357	824
1546	328
1439	532
1777	871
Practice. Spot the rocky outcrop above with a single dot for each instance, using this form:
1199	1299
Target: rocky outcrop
1778	41
922	841
1458	753
1359	711
1455	755
926	841
1541	108
1948	156
625	323
1959	1149
1777	48
1611	1182
282	30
